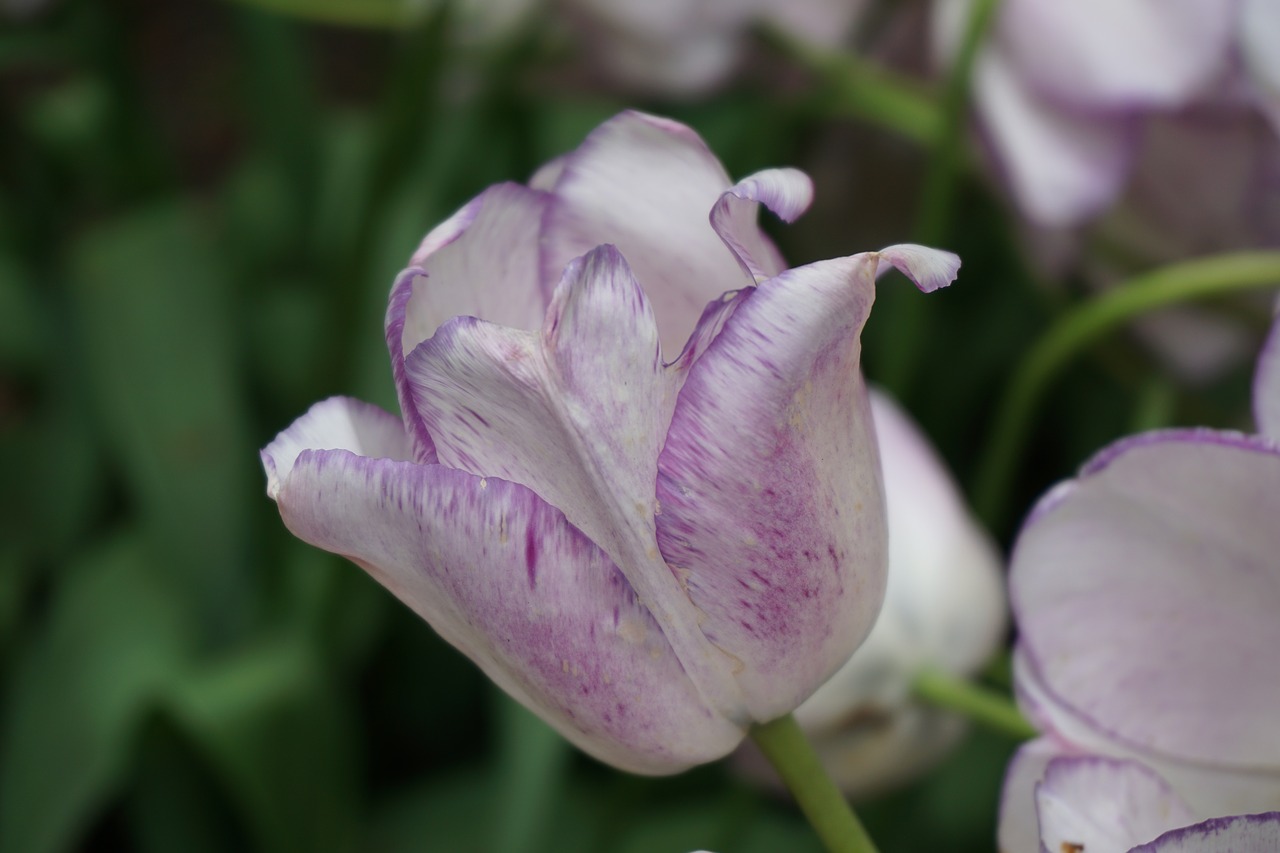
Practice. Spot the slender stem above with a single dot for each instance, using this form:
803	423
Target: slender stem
791	754
939	189
864	90
991	709
1198	279
913	318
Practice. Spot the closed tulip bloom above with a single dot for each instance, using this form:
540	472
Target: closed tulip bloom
1145	593
636	478
944	609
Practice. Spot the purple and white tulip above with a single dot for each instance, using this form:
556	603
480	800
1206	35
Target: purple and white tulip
944	609
1145	593
636	477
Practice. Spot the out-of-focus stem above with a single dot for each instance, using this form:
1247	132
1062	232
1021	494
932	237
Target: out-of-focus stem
979	704
791	754
1202	278
864	90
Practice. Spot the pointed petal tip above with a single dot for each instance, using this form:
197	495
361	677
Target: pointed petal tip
786	191
929	269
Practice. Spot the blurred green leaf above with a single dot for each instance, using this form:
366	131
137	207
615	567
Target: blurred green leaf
451	812
533	760
384	14
151	299
24	332
276	732
114	637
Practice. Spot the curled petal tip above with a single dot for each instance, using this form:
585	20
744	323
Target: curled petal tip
929	269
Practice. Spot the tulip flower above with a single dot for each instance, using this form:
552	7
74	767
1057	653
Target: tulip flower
943	610
1067	93
635	478
1145	593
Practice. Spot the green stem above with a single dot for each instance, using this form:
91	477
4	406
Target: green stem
939	188
791	754
913	318
984	706
1192	280
864	90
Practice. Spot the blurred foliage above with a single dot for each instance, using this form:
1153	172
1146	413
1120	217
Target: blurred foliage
201	209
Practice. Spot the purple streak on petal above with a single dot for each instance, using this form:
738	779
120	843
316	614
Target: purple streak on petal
646	185
787	192
1096	803
454	547
928	269
488	269
1266	386
1250	833
338	423
1146	598
577	414
772	503
713	318
424	447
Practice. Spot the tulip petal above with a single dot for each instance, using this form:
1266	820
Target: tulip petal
339	423
1090	803
511	583
646	185
1019	828
481	262
1062	165
784	554
1147	591
1104	54
1253	833
1266	386
577	414
787	192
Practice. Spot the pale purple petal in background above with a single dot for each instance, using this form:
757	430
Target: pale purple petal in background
1091	803
1063	165
1266	386
1147	597
1259	40
1109	54
1252	833
1019	829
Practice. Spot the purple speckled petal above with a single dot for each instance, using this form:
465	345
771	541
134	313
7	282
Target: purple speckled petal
646	185
1019	829
1103	54
787	192
578	414
1091	803
769	484
481	262
1266	386
1251	833
338	423
1062	165
1146	597
506	579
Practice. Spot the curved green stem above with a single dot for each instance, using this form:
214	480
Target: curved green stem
864	90
791	754
984	706
1198	279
